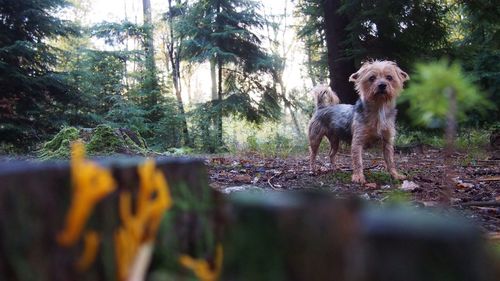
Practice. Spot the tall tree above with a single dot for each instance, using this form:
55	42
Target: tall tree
220	31
340	65
324	34
357	30
174	47
405	31
151	86
33	95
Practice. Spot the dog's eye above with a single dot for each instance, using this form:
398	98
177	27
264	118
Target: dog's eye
389	77
372	78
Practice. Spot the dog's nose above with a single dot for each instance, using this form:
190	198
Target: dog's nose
382	86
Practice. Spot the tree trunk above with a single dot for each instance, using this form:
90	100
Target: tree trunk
174	52
218	121
213	76
151	82
339	66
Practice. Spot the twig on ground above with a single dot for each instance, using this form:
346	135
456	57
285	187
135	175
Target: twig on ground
480	204
269	181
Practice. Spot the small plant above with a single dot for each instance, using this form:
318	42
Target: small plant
429	94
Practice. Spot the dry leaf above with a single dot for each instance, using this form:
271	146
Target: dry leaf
371	185
408	185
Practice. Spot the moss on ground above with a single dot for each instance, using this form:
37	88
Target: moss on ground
378	177
339	177
102	140
59	146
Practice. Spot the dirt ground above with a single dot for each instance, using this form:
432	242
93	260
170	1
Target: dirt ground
470	185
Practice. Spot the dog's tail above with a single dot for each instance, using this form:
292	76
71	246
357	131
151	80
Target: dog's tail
324	96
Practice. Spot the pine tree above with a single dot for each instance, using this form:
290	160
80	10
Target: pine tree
220	31
480	47
405	31
357	30
33	95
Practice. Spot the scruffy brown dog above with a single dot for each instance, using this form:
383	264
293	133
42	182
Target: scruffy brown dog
372	118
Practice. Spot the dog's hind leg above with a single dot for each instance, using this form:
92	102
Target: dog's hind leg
334	147
316	134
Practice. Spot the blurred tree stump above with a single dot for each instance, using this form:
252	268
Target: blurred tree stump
304	236
34	200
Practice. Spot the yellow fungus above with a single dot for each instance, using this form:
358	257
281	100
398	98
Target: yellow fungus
201	268
138	229
90	183
91	245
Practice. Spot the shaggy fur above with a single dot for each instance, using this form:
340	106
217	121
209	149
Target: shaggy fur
371	119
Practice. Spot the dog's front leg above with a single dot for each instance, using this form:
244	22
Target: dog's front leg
357	160
388	150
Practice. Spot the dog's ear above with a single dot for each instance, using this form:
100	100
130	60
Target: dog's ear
354	77
402	75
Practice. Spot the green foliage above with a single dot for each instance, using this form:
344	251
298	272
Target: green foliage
117	33
101	140
405	31
104	141
203	131
59	146
339	177
479	46
428	93
380	177
430	138
311	30
397	196
34	96
223	32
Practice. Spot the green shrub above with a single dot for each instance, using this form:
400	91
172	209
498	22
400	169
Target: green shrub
429	93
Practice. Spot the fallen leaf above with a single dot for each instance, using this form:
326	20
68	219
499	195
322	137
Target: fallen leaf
371	185
408	186
365	196
243	178
255	180
430	203
464	185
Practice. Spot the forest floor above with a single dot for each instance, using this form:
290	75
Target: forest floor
473	181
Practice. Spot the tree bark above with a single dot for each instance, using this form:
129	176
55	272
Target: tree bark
218	116
151	81
213	76
339	66
174	54
218	122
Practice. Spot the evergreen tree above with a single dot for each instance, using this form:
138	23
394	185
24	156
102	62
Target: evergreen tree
357	30
220	31
33	95
312	32
479	49
150	84
405	31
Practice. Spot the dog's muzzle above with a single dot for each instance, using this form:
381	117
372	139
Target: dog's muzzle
381	88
